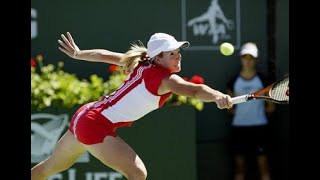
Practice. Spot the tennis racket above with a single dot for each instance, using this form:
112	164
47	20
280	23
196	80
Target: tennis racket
277	92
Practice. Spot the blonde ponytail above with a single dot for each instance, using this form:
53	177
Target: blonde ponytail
137	53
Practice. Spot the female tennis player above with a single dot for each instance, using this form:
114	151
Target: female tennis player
151	80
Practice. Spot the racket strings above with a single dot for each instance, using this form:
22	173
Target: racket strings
280	90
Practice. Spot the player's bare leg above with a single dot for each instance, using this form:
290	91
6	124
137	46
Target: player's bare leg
117	154
240	168
66	152
263	167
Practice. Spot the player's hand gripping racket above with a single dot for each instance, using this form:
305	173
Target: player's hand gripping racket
277	92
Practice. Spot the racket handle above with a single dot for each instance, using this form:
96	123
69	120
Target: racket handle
239	99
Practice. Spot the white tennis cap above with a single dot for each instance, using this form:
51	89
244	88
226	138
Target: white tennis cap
160	42
249	48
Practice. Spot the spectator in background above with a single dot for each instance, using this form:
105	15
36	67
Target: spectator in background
250	123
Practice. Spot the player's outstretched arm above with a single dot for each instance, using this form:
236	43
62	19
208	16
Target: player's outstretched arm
178	85
70	48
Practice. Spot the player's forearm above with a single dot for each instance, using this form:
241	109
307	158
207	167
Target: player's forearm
99	55
207	94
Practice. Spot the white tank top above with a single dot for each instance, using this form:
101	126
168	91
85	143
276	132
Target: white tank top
136	97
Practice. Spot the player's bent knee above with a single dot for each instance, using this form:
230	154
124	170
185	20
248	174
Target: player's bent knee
139	172
144	173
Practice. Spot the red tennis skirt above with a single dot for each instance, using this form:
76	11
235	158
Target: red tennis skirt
89	126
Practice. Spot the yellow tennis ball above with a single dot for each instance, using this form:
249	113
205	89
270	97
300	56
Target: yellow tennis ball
226	49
